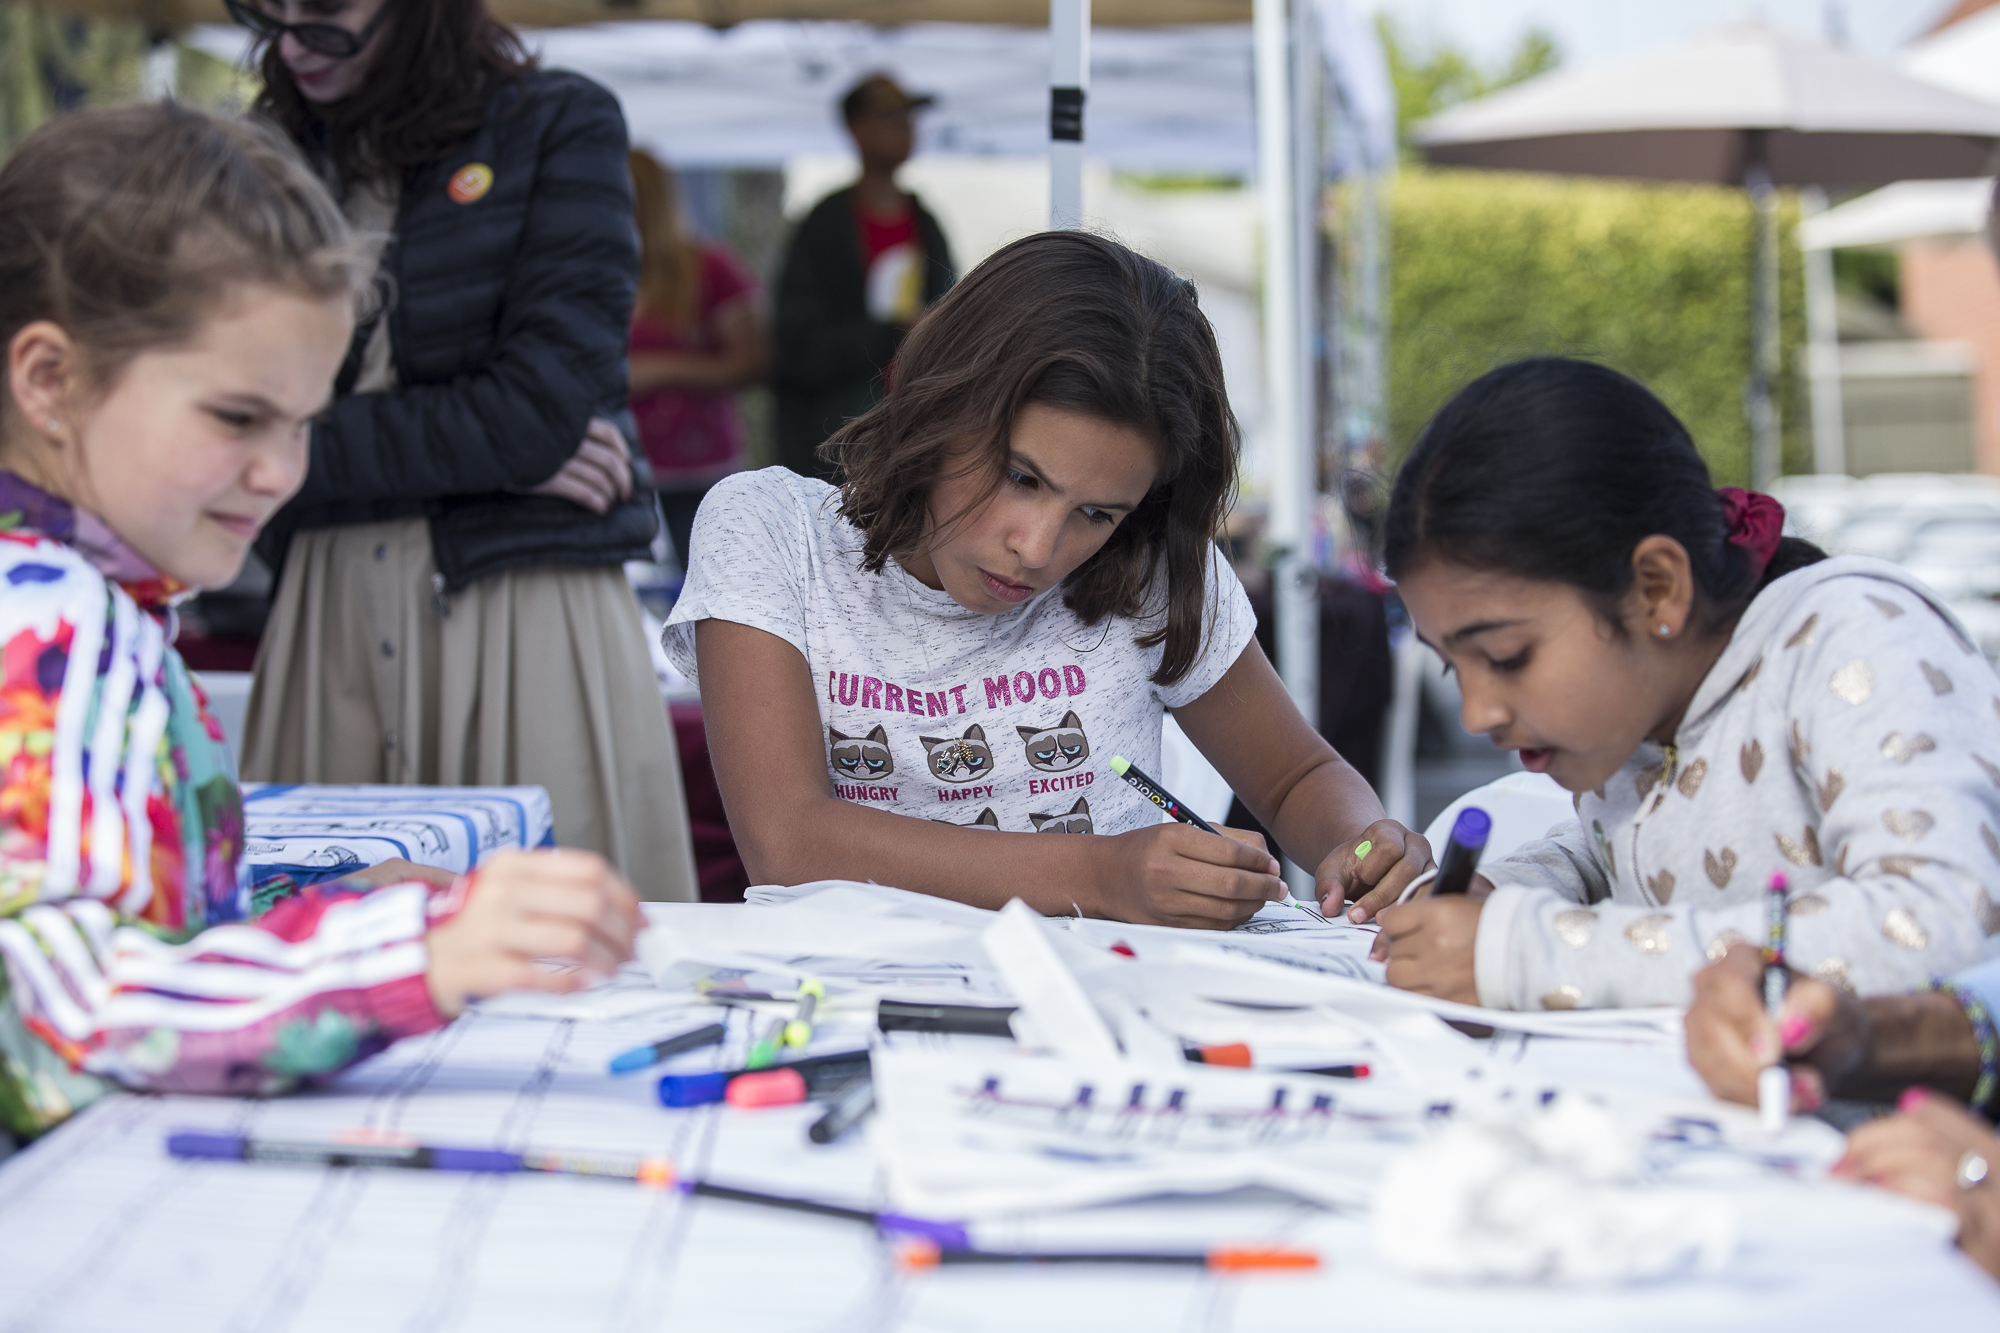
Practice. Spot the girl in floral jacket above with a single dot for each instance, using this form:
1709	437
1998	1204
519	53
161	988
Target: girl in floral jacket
176	292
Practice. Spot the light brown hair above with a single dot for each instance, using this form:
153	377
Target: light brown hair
669	260
127	226
1082	324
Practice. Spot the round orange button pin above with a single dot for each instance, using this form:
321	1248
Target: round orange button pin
470	183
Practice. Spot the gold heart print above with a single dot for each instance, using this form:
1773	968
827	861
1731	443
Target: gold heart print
1909	825
1853	683
1901	749
1719	868
1752	760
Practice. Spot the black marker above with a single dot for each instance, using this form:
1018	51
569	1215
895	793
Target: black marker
856	1100
1157	794
971	1019
1461	854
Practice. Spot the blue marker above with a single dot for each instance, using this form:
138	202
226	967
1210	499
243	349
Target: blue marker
1461	854
645	1057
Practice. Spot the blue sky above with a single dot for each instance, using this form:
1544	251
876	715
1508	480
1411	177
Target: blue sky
1593	30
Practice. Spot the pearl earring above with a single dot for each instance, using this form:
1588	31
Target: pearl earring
1665	631
55	427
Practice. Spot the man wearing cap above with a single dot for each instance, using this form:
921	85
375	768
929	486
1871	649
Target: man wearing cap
861	268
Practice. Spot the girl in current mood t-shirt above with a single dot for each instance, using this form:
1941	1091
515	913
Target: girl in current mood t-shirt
908	678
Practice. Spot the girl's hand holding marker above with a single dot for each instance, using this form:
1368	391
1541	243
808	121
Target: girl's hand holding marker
1179	874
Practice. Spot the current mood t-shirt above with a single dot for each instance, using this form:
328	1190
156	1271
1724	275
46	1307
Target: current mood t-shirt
931	710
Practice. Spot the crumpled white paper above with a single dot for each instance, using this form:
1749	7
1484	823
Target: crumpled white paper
1555	1198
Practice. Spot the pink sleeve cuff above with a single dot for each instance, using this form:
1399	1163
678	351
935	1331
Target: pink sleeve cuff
404	1007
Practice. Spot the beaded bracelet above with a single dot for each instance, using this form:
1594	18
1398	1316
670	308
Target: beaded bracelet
1989	1043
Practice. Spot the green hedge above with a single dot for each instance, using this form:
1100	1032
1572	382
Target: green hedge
1486	267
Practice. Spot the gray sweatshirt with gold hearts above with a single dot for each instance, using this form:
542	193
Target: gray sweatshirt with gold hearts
1849	736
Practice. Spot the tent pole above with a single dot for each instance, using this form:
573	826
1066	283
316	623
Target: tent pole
1760	399
1292	466
1069	84
1823	349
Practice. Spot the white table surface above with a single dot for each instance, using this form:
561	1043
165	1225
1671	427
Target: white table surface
101	1230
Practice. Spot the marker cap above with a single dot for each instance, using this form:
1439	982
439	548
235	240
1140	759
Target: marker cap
773	1087
1472	827
474	1159
1247	1259
219	1147
693	1089
1234	1054
923	1231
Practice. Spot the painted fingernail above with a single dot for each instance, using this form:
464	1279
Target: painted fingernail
1806	1094
1760	1049
1912	1098
1795	1029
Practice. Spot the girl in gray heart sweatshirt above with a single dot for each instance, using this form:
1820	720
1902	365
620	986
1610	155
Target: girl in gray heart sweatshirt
1723	703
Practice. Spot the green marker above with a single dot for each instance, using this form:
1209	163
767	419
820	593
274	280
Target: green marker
764	1053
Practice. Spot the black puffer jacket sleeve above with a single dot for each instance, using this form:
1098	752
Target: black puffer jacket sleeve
511	311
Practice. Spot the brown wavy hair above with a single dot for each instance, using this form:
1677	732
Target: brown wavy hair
435	68
1079	323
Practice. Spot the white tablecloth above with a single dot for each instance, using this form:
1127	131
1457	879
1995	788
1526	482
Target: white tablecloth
101	1230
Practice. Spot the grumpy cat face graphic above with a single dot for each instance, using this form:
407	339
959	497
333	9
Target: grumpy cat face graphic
966	759
987	820
863	757
1076	821
1056	749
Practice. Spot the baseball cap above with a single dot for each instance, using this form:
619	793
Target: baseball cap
878	93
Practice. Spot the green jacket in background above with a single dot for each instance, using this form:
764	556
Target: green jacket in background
830	352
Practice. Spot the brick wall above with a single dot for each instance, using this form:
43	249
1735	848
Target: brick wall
1951	291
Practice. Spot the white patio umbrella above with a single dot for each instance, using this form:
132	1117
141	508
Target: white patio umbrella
1745	104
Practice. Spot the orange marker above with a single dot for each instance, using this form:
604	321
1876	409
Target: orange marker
913	1255
1235	1054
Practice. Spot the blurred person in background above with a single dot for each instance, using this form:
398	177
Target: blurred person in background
697	338
451	605
862	266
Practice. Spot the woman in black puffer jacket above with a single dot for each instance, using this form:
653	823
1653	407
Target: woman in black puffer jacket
451	606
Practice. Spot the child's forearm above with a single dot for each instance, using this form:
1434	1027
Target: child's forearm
1323	808
827	838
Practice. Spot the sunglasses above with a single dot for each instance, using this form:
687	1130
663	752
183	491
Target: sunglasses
326	39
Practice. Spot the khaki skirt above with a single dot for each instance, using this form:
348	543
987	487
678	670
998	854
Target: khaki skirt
369	672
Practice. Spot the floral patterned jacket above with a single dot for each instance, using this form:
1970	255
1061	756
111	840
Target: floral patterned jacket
125	953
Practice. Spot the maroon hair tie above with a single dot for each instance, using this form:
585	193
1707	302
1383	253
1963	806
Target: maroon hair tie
1756	523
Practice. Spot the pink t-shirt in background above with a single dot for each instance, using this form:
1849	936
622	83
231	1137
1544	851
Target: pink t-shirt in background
692	438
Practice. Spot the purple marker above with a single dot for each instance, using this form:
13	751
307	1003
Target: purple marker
1461	854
